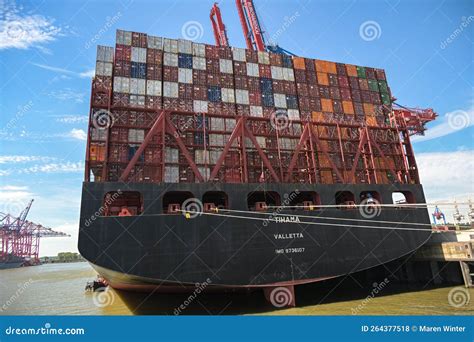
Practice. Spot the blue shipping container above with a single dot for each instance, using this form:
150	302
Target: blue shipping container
214	94
138	70
185	60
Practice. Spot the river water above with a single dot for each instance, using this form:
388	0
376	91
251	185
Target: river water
58	289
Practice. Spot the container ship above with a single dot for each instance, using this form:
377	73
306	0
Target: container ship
242	169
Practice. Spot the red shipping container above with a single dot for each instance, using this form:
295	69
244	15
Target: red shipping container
225	52
199	77
154	56
170	74
240	68
121	99
311	76
313	90
253	83
255	98
226	80
102	83
289	88
212	65
300	76
356	96
251	56
335	93
123	52
275	59
212	51
122	68
213	79
345	94
354	83
302	89
380	74
265	70
153	72
343	81
314	104
228	108
200	92
241	82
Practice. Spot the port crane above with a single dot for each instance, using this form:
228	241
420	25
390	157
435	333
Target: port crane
414	119
20	238
251	27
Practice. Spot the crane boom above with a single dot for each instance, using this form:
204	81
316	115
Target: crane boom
218	27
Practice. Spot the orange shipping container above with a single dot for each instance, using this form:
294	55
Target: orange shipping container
325	66
326	105
326	177
351	70
323	78
371	121
298	62
348	107
318	116
369	109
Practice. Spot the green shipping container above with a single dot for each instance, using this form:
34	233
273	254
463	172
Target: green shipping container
373	86
385	99
361	72
383	86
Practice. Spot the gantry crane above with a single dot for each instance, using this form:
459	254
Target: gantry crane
253	33
20	238
414	119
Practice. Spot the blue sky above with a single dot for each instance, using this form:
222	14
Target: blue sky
47	51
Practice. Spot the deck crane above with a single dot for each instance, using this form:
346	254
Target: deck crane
253	33
220	33
415	119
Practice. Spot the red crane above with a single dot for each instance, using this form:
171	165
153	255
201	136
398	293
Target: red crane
220	34
20	238
414	119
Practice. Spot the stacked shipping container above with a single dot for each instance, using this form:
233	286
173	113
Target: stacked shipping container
205	90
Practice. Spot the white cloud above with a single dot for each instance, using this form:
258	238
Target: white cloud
85	74
72	119
68	94
23	159
22	31
78	134
65	167
447	176
449	123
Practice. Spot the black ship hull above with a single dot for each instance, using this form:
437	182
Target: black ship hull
156	250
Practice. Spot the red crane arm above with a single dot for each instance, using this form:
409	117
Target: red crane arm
220	34
414	119
243	22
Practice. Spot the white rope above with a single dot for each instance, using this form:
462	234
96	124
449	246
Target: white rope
324	217
310	223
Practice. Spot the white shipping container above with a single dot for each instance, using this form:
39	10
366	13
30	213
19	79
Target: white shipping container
171	155
225	66
263	57
228	95
185	46
200	106
155	42
205	172
170	89
280	100
293	114
217	139
277	72
170	59
171	174
137	100
122	84
252	70
214	156
217	124
261	141
230	124
199	63
199	50
238	54
153	88
185	75
242	96
105	53
256	111
138	54
288	74
201	156
170	45
137	86
124	37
